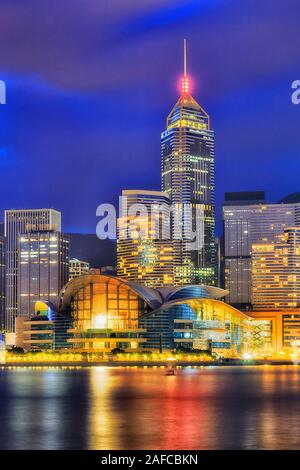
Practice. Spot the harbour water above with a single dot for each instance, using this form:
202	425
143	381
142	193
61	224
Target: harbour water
142	408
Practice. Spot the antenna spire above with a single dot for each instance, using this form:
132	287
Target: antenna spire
184	57
185	84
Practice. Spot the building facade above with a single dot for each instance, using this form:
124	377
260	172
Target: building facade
248	220
197	323
43	268
77	268
276	272
2	283
109	313
187	163
104	312
17	222
145	253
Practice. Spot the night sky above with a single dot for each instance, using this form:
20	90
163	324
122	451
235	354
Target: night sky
90	84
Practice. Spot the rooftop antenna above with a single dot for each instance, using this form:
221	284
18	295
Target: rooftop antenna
185	86
184	57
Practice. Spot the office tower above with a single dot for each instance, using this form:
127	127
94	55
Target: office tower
17	222
276	272
187	153
77	268
144	248
2	283
43	269
247	219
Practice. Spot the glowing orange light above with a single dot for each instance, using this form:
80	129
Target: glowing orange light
185	85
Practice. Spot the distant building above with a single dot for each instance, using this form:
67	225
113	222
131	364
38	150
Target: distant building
43	269
276	272
108	270
78	267
19	222
145	253
2	283
247	220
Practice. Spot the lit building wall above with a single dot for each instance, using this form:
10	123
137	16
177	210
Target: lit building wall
43	268
2	283
244	225
104	312
77	268
203	324
276	272
18	222
145	253
283	326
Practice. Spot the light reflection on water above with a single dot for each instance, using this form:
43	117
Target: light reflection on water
119	408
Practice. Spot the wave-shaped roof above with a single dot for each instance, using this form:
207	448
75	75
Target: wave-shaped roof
153	297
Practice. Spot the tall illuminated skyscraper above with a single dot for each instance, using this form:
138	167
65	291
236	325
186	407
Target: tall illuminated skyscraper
17	222
187	152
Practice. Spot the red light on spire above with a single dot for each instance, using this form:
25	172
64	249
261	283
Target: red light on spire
185	85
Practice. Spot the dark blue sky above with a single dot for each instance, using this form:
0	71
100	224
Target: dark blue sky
90	83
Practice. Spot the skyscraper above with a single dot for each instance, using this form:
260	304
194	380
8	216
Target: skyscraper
43	269
17	222
248	219
144	248
276	272
187	153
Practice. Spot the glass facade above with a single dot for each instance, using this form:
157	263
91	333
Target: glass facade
43	268
104	311
197	324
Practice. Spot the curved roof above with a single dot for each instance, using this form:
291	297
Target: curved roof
193	291
155	298
151	297
191	302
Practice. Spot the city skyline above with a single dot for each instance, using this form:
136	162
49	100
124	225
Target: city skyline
149	229
133	95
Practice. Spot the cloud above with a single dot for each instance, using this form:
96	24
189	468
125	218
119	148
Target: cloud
90	84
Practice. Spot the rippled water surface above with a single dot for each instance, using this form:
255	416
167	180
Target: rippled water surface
107	408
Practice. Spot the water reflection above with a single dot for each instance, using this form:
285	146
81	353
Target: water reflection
103	408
